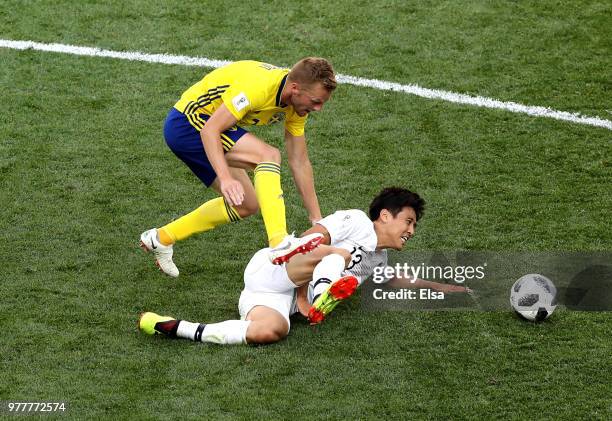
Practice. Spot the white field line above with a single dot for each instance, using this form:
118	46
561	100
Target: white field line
536	111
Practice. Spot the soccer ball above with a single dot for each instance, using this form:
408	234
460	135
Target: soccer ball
534	297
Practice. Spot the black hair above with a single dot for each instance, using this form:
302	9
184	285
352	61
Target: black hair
394	199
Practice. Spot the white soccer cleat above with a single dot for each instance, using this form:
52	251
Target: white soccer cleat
291	245
163	254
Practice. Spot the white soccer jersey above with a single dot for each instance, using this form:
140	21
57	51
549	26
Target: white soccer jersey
352	230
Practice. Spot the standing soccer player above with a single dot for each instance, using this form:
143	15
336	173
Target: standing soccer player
204	130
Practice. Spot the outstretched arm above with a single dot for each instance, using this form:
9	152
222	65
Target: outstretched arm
421	283
301	169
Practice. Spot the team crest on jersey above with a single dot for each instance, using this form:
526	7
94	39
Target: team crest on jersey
240	101
276	118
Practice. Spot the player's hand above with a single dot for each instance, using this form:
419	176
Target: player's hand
232	191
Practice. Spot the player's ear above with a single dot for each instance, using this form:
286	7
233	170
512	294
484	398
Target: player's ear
294	87
385	215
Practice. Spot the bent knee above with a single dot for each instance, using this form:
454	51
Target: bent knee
248	208
269	336
270	154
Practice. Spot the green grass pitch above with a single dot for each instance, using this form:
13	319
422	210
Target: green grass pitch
84	170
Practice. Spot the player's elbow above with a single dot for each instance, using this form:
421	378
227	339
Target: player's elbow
210	134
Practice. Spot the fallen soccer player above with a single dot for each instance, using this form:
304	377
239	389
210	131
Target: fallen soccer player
353	245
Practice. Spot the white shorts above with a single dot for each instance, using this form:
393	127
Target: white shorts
266	285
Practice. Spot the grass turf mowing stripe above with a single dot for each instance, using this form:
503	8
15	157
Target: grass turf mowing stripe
535	111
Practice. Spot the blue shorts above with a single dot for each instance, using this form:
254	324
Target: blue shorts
184	140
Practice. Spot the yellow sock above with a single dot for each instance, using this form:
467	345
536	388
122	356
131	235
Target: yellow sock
213	213
271	202
164	237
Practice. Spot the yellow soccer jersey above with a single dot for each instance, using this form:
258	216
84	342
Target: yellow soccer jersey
251	90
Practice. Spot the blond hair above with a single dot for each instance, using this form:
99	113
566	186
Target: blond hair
310	70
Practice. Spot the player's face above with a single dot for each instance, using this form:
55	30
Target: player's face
308	98
401	227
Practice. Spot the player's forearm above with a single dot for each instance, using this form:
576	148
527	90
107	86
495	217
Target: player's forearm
302	300
211	139
304	182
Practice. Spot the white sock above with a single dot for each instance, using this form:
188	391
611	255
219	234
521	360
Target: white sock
186	330
229	332
327	271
